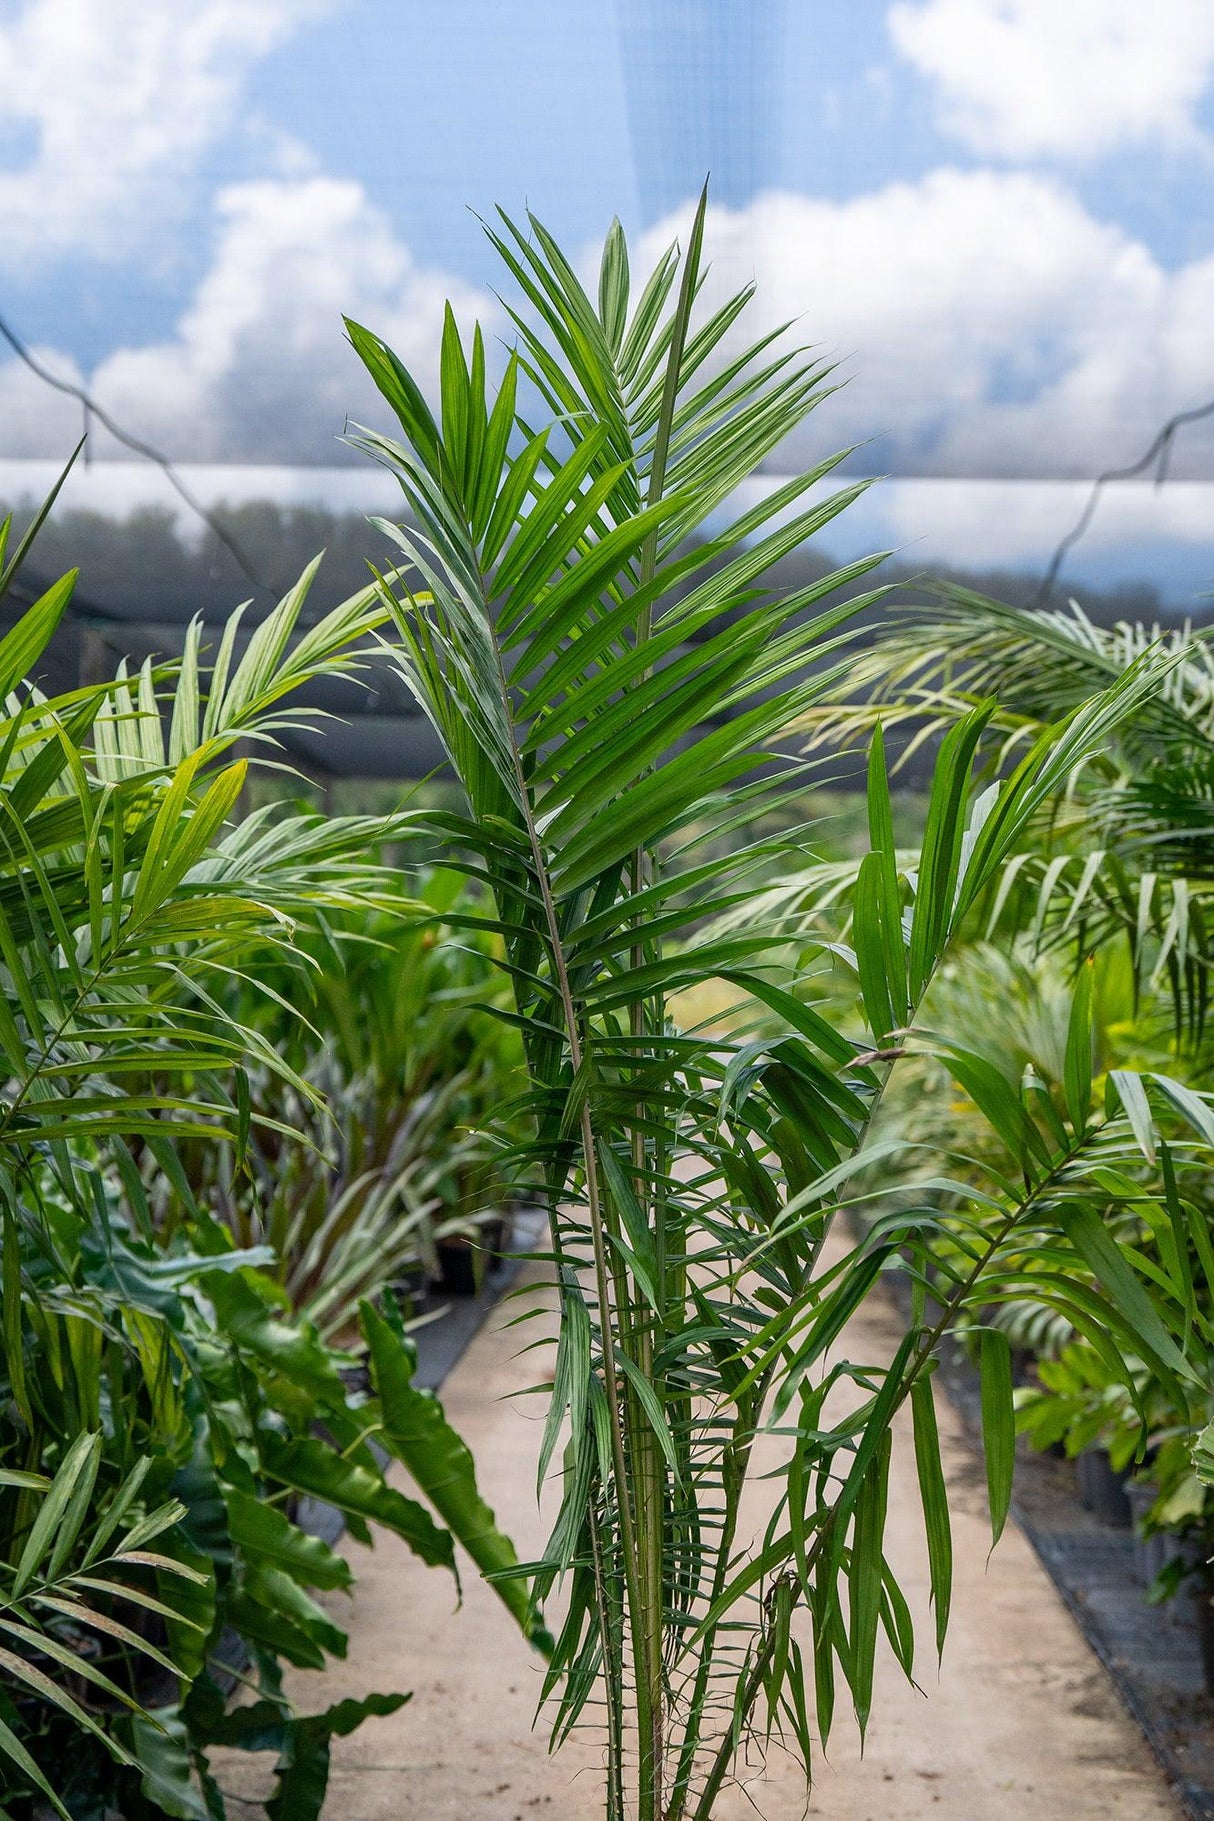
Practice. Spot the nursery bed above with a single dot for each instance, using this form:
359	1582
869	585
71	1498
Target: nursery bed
1151	1652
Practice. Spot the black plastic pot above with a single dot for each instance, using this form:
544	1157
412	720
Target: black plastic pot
463	1260
1101	1489
460	1269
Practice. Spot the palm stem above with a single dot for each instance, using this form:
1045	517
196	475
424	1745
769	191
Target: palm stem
651	1476
595	1208
612	1675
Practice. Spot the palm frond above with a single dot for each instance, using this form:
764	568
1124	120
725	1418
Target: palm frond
78	1570
929	664
611	694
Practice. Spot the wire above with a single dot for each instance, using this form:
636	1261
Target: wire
1159	453
135	443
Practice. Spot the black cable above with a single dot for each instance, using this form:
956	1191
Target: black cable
1159	452
93	409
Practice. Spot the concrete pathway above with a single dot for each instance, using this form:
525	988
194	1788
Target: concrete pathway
1021	1724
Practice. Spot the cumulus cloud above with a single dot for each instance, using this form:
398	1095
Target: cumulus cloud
258	369
117	98
1030	78
990	323
36	420
992	524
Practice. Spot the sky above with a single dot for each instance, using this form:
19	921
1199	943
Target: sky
996	215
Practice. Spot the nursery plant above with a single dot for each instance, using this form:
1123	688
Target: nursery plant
161	1413
587	627
1122	865
408	1068
1127	849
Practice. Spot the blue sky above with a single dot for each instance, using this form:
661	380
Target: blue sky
996	213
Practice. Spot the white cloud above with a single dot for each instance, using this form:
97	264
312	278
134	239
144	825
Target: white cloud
1068	78
992	325
1013	524
115	489
259	368
119	97
1017	524
34	420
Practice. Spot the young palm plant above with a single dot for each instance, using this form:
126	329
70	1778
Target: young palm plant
590	636
1129	849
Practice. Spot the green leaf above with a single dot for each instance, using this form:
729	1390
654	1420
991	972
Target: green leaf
940	859
613	286
10	569
60	1506
161	1745
1193	1107
998	1423
21	648
419	1436
654	1414
312	1466
1106	1260
303	1771
1000	1104
266	1536
1137	1108
1077	1075
865	1576
887	898
10	1315
260	1328
933	1494
280	1592
869	936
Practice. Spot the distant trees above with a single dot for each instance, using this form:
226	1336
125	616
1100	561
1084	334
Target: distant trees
149	566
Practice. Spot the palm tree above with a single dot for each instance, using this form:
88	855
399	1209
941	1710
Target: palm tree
588	630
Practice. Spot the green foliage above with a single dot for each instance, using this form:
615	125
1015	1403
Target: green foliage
1118	869
1122	867
614	687
154	1385
62	1598
386	1014
1126	847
